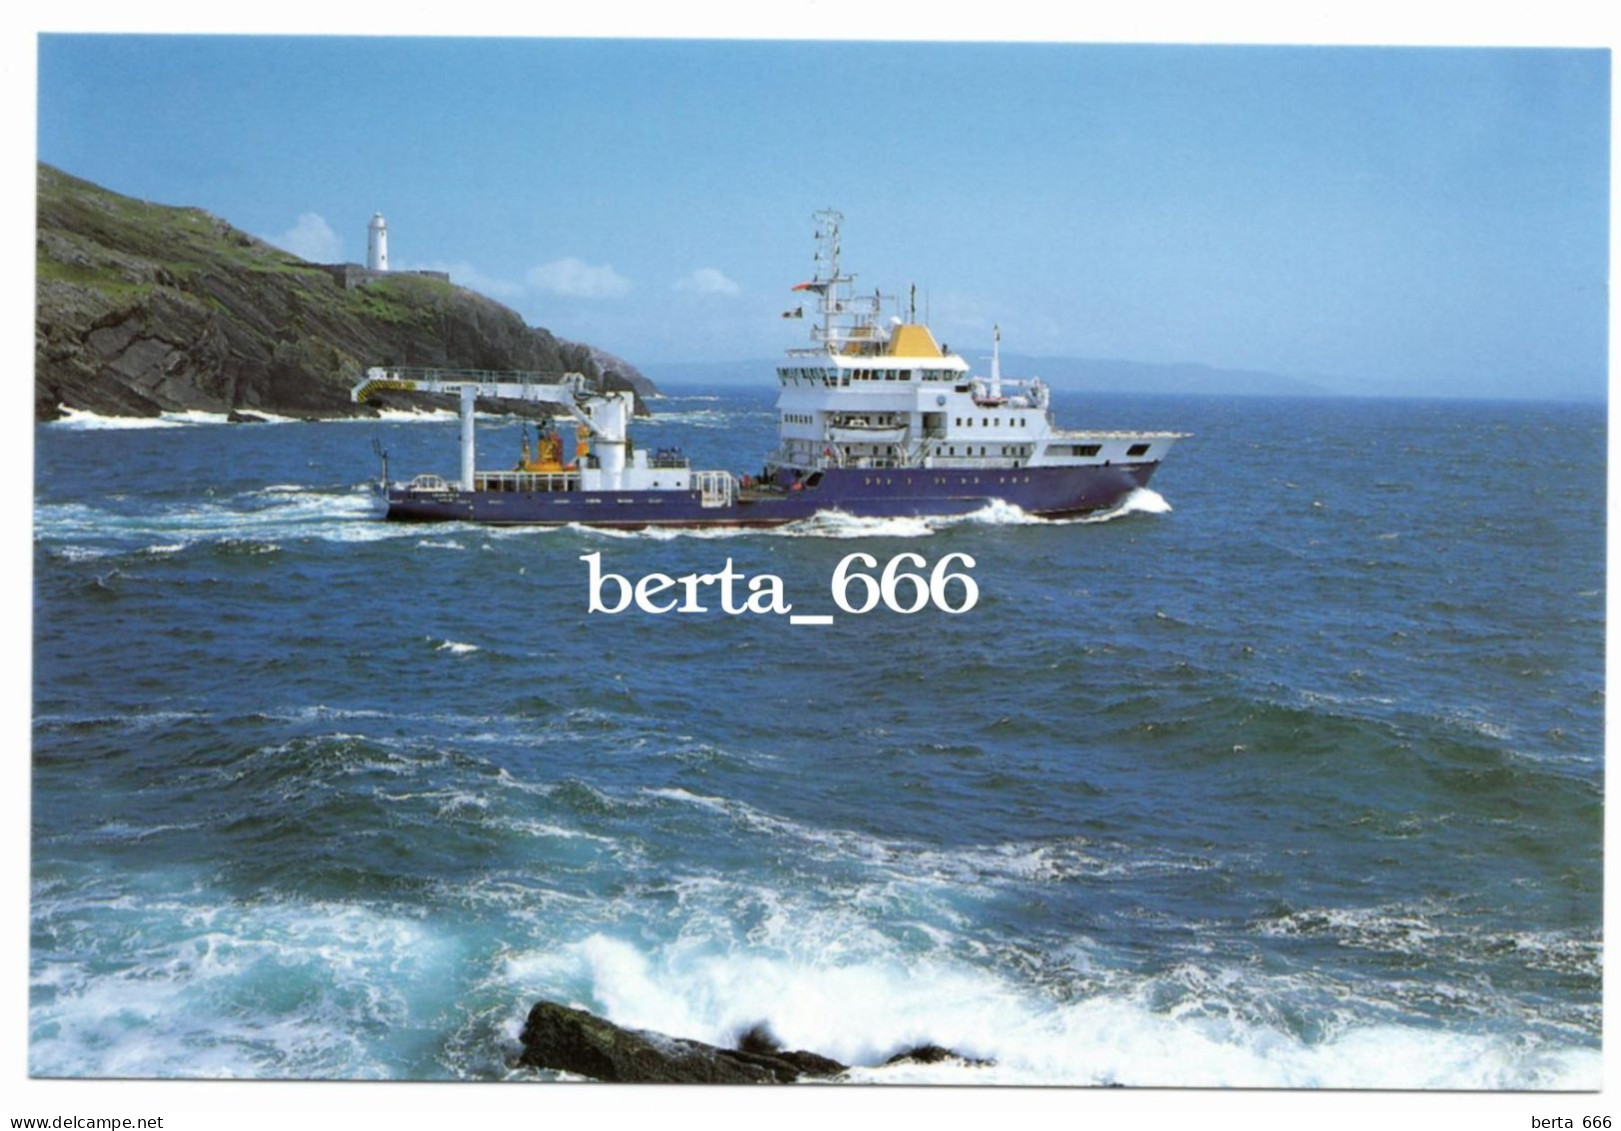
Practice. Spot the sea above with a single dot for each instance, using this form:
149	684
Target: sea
1287	773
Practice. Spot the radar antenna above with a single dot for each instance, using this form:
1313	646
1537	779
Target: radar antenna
845	318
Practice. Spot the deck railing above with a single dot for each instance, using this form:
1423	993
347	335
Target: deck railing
526	481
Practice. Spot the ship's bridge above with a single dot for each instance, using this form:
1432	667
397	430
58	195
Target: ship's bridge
907	339
908	354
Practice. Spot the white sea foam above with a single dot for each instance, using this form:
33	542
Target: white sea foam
861	1012
1142	500
82	553
960	871
264	417
1471	720
282	489
271	515
412	416
1430	928
838	524
197	416
675	793
1403	930
200	998
998	512
546	830
73	419
122	831
700	417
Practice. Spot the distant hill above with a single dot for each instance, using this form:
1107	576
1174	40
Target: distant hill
1101	375
145	308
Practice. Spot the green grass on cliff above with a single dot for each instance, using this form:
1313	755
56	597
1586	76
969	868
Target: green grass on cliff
124	249
94	277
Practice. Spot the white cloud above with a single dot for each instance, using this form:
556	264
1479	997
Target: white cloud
311	238
464	274
707	281
574	278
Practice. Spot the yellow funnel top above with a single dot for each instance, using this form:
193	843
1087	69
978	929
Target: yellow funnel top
912	339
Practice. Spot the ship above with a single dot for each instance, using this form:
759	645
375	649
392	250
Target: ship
876	419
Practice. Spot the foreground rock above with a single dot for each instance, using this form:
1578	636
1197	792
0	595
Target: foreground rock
934	1054
571	1040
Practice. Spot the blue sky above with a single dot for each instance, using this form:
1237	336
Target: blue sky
1410	219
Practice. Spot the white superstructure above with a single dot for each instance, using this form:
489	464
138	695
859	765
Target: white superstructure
603	416
871	394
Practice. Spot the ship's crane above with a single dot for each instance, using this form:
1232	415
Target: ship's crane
605	413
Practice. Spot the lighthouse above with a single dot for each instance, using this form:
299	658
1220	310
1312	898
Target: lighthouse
377	243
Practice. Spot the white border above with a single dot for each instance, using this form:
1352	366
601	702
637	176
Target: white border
272	1105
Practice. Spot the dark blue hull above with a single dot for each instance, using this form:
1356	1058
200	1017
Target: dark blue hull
1050	492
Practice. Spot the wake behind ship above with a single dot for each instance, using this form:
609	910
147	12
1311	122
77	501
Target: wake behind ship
875	420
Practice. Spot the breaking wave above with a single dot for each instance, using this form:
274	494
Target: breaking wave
80	420
1191	1026
262	515
837	524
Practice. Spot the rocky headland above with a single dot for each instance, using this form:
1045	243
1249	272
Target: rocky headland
145	308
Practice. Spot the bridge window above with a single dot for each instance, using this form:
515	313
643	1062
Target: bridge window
1137	450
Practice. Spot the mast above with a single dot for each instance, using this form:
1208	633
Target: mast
827	259
846	319
996	360
469	443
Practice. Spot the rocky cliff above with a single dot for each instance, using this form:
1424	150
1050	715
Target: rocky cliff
144	308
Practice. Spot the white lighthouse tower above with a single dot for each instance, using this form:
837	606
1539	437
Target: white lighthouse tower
377	243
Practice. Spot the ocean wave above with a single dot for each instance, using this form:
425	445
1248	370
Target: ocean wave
79	420
73	553
414	416
863	1012
1433	930
838	524
268	990
705	417
1142	500
264	515
960	868
280	512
